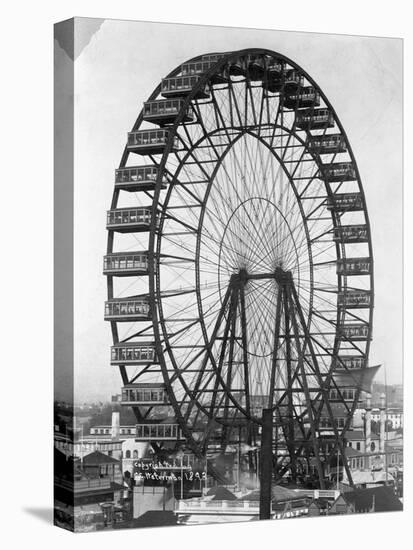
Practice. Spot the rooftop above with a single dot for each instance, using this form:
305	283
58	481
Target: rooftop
221	493
361	477
358	435
97	458
278	494
351	453
383	498
153	518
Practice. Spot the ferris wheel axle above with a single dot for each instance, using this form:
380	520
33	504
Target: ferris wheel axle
281	276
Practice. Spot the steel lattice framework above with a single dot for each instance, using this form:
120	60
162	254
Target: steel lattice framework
239	261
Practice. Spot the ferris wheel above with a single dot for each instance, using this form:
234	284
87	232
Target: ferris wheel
239	260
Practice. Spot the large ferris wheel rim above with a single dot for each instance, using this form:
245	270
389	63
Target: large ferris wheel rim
204	78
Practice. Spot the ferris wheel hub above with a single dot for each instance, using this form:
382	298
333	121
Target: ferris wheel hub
279	274
283	277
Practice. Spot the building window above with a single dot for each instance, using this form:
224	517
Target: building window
127	454
358	446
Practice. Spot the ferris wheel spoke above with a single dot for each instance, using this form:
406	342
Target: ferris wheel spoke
207	355
275	123
319	331
221	124
234	102
321	386
222	353
245	350
263	101
210	148
235	237
187	248
182	308
251	102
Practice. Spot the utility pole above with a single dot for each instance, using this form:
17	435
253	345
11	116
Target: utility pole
386	466
266	464
368	430
206	472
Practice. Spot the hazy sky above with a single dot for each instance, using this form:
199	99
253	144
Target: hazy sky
119	66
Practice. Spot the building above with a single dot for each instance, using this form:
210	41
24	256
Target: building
152	498
340	506
393	392
358	501
367	479
394	452
211	509
124	431
394	417
357	460
116	398
109	440
99	465
356	439
152	518
375	499
81	447
220	505
83	499
131	452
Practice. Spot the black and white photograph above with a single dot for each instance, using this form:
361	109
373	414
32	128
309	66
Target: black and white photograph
206	299
237	201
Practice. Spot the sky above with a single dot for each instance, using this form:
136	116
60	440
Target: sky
117	66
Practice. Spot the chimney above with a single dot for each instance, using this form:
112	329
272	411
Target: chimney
115	425
382	421
368	429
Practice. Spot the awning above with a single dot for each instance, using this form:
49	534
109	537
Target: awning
356	378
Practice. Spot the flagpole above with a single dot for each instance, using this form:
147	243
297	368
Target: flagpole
338	471
257	463
81	445
182	478
385	424
238	466
206	472
239	460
